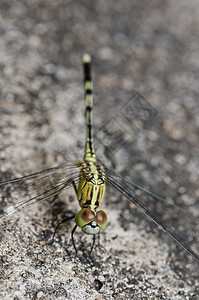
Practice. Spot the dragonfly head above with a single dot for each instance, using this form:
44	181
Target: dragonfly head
89	221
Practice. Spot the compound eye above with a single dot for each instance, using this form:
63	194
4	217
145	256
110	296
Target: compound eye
84	216
101	219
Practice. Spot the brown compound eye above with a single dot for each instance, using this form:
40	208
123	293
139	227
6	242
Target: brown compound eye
87	215
101	219
84	216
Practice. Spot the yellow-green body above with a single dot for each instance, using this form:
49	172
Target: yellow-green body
91	187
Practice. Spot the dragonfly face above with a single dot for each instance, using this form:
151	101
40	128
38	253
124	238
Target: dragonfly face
90	221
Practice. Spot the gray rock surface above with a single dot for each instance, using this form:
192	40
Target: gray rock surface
149	46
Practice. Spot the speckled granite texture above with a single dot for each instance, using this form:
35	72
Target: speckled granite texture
149	46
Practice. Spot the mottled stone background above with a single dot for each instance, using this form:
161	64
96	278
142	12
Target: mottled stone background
148	46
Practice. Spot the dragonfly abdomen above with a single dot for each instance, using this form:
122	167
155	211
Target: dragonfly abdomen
89	150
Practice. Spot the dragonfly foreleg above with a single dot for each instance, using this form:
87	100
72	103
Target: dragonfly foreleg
73	241
72	233
93	244
74	185
63	221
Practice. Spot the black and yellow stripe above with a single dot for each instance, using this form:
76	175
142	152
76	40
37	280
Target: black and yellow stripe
88	84
91	185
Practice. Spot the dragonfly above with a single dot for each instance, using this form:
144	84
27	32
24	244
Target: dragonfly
89	179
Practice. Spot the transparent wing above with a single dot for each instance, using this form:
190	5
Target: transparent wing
20	192
167	216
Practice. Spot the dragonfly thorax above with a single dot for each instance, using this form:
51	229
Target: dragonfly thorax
91	185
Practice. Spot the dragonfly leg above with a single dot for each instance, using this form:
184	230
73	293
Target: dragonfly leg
63	221
56	196
72	233
99	245
93	244
74	185
66	219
